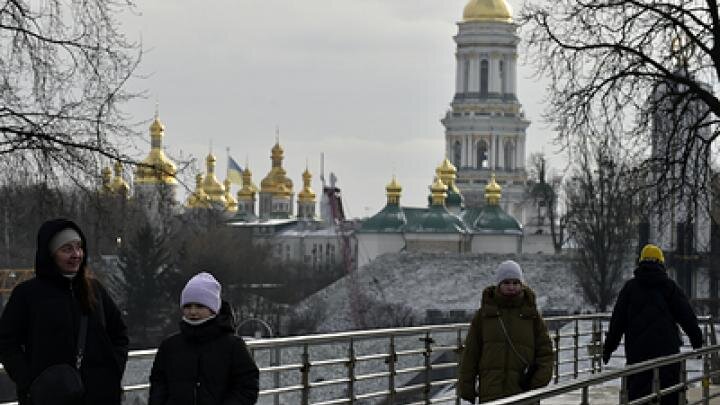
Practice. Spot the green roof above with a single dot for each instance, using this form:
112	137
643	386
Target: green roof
435	219
389	219
493	218
453	199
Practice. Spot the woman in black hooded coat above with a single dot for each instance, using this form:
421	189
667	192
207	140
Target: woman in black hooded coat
40	324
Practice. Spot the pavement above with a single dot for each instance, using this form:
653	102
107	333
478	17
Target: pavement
608	395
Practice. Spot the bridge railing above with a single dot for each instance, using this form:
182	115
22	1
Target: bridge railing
585	384
409	365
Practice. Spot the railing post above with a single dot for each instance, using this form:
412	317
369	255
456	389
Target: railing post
428	367
585	397
391	360
623	391
575	349
706	379
714	358
556	338
683	380
458	358
305	377
351	371
656	383
275	353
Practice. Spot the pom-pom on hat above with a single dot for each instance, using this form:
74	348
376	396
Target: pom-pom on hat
652	253
203	289
508	270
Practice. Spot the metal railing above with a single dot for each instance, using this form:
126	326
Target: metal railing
706	375
409	365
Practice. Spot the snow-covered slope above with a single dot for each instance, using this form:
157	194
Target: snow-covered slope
444	282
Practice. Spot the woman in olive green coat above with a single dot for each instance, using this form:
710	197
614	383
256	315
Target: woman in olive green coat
507	314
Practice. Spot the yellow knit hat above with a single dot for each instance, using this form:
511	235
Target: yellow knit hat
652	253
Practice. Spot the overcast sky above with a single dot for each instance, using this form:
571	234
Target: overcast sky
364	81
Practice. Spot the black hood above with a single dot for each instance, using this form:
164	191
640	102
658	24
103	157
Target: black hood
44	264
223	323
650	273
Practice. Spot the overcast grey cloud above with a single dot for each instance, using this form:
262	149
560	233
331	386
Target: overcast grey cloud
364	81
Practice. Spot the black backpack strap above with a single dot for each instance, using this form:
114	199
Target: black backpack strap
82	335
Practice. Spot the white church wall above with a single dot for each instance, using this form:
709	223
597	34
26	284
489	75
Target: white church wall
372	245
496	243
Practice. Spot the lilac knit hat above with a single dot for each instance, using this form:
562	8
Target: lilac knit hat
202	289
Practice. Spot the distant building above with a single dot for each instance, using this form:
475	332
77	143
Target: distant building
485	127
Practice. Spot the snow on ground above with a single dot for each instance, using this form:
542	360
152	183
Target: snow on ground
445	282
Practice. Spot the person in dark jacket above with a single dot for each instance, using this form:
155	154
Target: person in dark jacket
506	335
647	311
40	324
204	364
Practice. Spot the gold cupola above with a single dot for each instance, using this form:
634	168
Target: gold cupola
448	173
248	190
438	192
487	10
211	185
306	194
198	198
119	185
281	191
156	168
393	191
493	192
277	174
106	174
231	203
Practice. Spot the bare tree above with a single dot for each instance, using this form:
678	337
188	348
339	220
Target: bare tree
545	195
63	71
601	220
615	66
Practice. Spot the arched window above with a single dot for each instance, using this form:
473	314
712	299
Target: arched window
457	153
509	156
482	158
483	78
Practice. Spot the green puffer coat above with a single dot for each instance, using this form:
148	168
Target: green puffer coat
488	356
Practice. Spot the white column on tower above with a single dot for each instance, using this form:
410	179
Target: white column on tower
491	151
512	74
494	77
501	154
458	73
474	75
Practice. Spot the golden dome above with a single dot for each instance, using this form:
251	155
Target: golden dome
119	185
438	192
211	185
493	191
231	203
156	168
198	198
277	174
487	10
277	150
393	191
248	190
282	191
448	173
306	194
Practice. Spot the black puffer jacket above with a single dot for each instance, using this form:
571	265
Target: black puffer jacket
647	312
204	365
40	324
